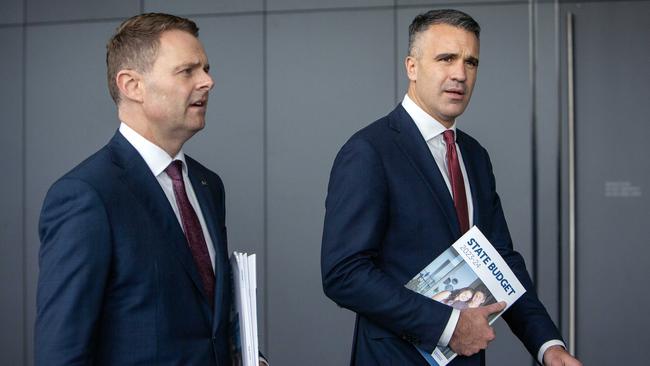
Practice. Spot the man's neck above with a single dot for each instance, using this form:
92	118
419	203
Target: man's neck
171	145
414	97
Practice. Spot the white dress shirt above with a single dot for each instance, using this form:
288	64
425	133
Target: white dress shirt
431	131
157	160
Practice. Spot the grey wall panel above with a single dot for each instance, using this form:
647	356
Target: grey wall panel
547	95
232	142
11	199
69	115
203	6
61	10
324	83
499	117
613	180
11	11
329	4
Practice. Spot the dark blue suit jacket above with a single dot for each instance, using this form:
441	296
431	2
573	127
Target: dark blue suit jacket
389	213
117	283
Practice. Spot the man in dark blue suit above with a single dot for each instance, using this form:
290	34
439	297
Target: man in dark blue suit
401	191
133	261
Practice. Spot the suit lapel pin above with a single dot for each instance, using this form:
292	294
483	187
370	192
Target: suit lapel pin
204	182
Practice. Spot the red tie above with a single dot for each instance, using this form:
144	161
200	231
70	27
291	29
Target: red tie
192	228
457	183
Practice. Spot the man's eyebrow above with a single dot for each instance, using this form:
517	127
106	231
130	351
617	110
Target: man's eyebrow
454	56
442	56
191	65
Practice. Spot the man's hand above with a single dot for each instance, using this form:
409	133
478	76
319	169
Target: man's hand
558	356
473	333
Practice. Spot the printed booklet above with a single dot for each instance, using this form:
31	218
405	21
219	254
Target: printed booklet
471	273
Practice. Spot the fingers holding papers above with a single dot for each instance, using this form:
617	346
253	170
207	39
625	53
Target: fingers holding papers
473	332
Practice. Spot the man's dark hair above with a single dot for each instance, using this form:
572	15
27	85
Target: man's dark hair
136	41
451	17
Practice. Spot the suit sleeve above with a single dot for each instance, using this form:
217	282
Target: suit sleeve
355	223
74	263
527	318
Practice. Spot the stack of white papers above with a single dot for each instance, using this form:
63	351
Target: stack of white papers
245	286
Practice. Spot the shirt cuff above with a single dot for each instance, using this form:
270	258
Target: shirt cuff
449	329
545	346
263	361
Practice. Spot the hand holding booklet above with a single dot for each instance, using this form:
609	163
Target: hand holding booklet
470	273
245	311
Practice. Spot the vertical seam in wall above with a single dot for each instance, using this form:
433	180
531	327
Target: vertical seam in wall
265	179
533	142
396	53
23	178
533	135
558	158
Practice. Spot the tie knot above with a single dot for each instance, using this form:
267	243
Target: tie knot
174	170
448	135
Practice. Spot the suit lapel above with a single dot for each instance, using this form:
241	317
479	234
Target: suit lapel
207	202
410	141
145	188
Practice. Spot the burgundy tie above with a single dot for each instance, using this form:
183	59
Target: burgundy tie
457	183
192	228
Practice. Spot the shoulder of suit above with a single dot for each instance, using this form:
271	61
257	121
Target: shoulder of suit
376	132
97	172
96	167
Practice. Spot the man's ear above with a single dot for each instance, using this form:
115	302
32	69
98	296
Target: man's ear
130	83
410	63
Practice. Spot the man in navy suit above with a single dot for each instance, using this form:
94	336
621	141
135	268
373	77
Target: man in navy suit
133	261
401	191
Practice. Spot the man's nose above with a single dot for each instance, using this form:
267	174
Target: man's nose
207	82
459	72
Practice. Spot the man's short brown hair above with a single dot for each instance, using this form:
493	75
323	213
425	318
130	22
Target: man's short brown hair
135	44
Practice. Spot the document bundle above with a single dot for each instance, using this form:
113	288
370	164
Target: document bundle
244	321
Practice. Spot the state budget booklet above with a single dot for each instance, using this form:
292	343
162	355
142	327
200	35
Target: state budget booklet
469	274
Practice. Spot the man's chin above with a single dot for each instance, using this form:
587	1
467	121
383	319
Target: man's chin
196	125
455	111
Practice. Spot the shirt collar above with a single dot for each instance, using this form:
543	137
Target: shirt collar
429	127
156	158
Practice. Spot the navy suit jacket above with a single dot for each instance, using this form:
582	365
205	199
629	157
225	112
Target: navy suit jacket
389	213
117	282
